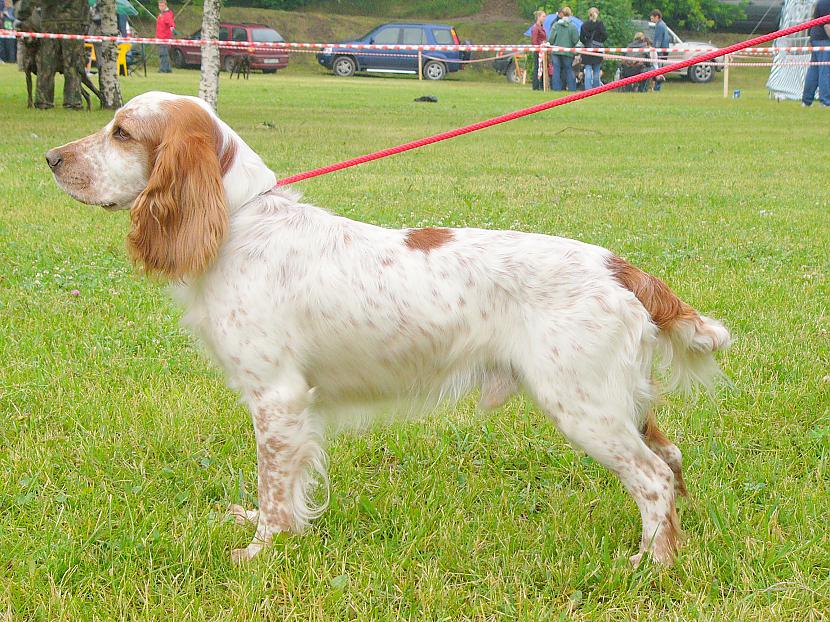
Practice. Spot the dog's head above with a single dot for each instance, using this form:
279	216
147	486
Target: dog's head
176	167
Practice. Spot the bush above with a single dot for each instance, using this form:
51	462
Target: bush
398	8
700	15
615	14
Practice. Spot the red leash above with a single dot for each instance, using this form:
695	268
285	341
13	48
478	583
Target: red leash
552	104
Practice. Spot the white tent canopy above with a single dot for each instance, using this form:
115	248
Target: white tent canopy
786	80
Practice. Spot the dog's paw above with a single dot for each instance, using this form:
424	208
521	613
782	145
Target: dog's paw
241	516
240	556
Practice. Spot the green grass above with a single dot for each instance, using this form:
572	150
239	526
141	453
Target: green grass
120	448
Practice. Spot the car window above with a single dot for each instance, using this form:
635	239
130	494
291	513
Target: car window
413	36
196	35
266	35
443	37
224	35
239	34
387	36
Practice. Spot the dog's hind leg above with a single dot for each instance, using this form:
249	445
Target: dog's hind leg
607	433
597	395
668	451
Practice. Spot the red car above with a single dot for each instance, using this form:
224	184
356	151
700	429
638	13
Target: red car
266	59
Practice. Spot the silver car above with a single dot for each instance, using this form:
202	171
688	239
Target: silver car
682	50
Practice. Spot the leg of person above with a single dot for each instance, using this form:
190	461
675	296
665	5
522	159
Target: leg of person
824	77
810	81
164	59
537	78
588	80
558	83
73	60
570	78
47	59
658	84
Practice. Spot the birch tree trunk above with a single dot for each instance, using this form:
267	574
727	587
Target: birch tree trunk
209	80
108	62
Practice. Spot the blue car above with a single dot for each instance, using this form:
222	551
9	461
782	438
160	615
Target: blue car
345	61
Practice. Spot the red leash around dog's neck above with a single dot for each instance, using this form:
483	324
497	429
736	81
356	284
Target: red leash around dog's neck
552	104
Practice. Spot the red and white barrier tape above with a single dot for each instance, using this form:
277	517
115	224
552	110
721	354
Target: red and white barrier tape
320	47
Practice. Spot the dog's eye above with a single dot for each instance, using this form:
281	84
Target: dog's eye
120	134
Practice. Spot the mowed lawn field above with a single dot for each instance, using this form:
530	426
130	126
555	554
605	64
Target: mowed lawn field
120	447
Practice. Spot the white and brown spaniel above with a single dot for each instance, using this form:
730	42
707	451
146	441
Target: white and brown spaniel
312	315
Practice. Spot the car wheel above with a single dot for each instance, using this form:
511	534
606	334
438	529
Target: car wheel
229	63
701	73
511	73
435	70
177	58
344	66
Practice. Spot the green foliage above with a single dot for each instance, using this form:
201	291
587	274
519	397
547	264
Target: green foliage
398	8
283	5
528	7
615	14
700	15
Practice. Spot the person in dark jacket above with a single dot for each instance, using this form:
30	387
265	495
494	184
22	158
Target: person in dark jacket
593	35
636	63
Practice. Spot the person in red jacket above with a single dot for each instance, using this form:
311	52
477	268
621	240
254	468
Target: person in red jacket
165	29
538	36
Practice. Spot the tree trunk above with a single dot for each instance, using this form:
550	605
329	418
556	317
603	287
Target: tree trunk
209	80
108	61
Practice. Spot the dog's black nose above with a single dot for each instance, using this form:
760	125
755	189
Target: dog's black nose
53	158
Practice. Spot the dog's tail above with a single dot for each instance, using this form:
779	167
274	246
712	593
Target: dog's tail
688	340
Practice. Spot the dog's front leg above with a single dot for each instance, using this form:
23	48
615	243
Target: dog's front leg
289	451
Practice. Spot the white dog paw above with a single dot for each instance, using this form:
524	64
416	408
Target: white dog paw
240	556
241	516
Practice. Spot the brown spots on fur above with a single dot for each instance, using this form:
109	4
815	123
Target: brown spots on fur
662	304
228	155
427	239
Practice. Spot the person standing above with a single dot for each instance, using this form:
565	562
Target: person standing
661	40
538	36
564	35
8	46
165	29
593	35
58	16
818	76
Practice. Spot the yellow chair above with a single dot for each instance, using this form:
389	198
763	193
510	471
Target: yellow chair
123	48
90	50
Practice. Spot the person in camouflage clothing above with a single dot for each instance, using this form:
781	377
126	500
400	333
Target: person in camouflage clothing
60	16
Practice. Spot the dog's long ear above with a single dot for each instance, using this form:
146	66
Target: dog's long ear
180	219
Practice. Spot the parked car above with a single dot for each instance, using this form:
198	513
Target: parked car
682	50
345	61
266	59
